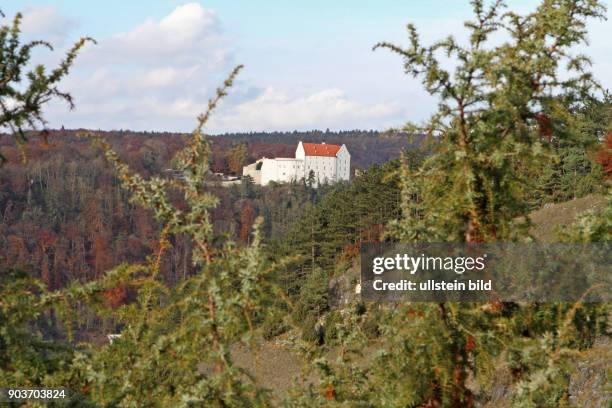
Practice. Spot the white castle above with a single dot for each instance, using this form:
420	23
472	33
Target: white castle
327	162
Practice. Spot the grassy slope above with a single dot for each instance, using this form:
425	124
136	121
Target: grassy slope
277	367
551	217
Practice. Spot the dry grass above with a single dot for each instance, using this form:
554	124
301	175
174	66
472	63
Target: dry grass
272	364
549	219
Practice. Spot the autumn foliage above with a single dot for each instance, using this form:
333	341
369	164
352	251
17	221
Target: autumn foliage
604	155
116	297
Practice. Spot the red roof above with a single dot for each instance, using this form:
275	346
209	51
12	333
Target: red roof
328	150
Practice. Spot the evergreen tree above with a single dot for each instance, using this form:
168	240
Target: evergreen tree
310	181
572	170
23	92
496	111
174	348
500	107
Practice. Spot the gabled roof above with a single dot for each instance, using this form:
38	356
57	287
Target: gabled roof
314	149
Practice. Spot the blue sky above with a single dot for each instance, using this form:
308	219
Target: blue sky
308	64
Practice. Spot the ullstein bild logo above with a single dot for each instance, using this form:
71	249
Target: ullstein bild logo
502	272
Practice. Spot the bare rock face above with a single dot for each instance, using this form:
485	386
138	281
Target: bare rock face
345	288
590	383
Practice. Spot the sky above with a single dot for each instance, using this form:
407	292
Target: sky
309	64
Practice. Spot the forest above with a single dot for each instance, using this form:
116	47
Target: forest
66	216
98	236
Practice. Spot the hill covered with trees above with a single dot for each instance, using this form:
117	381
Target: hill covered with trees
150	151
65	216
187	272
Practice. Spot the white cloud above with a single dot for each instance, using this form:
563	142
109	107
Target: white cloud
46	22
166	76
160	74
189	33
330	108
151	77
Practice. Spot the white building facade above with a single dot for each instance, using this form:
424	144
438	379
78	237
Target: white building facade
326	163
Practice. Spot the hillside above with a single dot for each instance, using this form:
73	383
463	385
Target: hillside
47	205
277	364
551	217
366	147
